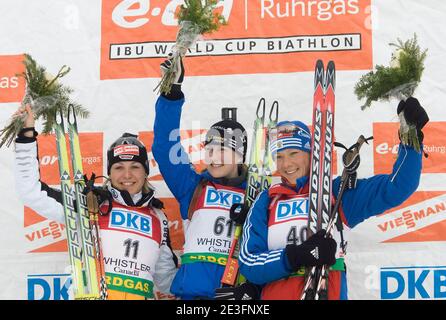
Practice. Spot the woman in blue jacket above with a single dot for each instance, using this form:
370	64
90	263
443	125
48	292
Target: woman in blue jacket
205	198
274	251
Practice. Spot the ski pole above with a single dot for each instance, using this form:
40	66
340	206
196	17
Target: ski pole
351	163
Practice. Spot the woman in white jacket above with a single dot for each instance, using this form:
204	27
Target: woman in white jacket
135	221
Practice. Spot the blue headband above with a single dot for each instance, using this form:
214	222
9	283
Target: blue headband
299	138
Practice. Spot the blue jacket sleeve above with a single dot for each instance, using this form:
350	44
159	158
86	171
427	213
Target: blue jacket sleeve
374	195
258	264
172	159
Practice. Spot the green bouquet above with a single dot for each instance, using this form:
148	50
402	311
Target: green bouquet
195	18
399	80
45	95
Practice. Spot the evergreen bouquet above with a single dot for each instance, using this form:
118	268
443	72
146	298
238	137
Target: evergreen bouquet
45	95
399	80
195	18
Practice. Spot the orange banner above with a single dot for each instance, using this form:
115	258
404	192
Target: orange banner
386	144
92	156
43	235
192	142
172	211
265	36
420	218
12	87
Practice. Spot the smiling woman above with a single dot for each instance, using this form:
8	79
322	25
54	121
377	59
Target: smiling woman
291	148
205	198
277	247
129	176
128	165
133	230
293	164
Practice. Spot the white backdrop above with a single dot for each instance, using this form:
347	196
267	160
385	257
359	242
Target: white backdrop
68	32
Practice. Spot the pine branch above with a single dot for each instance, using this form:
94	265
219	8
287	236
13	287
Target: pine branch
45	95
405	77
201	15
195	17
399	80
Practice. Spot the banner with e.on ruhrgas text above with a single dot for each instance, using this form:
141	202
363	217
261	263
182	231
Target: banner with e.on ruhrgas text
264	36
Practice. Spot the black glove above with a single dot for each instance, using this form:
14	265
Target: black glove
245	291
316	251
238	213
414	114
175	92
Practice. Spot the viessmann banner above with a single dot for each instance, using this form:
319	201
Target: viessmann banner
262	36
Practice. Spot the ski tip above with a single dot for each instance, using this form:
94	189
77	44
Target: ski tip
261	108
330	77
319	65
319	73
274	113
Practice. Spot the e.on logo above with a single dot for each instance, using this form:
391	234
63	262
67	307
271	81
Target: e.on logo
266	36
191	142
386	144
91	145
12	87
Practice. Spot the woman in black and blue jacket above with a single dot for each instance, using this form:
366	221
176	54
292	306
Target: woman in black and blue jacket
205	198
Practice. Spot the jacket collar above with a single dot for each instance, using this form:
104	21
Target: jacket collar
238	182
137	200
285	187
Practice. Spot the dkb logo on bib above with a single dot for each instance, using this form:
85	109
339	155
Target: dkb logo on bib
130	220
296	208
219	198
